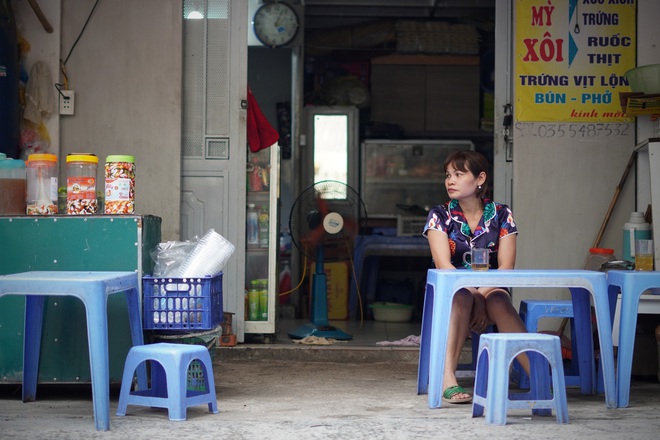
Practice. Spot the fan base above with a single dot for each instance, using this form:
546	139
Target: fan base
324	331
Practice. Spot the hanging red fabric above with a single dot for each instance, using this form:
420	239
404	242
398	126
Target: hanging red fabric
260	134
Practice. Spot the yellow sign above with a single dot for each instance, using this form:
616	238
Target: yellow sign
571	57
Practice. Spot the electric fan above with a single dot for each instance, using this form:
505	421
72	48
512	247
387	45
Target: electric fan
325	224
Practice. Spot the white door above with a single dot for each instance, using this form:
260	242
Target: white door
213	151
503	141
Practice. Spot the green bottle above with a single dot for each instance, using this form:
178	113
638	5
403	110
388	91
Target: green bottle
263	227
253	301
263	300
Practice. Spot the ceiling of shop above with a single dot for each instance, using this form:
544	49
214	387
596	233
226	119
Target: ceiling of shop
333	13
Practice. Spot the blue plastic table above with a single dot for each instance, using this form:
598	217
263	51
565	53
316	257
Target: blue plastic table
92	288
632	284
443	284
366	259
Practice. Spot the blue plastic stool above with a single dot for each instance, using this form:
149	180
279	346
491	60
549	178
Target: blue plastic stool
174	385
531	312
491	385
92	288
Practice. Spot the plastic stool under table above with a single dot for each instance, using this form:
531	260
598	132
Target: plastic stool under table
531	312
491	385
169	379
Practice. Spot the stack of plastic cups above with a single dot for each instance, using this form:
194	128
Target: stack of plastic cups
208	257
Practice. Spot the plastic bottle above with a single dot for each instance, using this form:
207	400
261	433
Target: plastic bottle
252	227
61	199
12	186
263	300
247	306
253	301
635	229
41	184
81	184
285	282
263	227
597	257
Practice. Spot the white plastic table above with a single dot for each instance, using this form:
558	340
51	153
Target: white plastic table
92	288
442	284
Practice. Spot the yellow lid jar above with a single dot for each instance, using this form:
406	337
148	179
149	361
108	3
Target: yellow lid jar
81	184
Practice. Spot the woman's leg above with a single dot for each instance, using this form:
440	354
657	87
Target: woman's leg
502	313
458	332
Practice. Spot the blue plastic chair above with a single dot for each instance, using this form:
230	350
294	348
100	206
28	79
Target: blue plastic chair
632	284
491	385
531	312
174	385
92	288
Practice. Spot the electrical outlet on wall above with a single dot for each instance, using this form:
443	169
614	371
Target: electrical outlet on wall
66	102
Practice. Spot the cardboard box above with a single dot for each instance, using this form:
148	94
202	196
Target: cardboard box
452	98
398	96
426	93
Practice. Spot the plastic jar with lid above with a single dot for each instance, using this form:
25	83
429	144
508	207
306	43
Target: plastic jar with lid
636	228
42	173
12	186
81	184
597	257
120	184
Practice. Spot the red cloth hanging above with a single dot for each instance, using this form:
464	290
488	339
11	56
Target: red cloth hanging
260	134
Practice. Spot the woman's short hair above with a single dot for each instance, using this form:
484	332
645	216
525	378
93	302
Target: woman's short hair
470	161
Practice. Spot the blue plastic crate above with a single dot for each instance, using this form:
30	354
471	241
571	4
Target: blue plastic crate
189	304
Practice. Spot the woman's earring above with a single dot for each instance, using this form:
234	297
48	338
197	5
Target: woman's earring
479	187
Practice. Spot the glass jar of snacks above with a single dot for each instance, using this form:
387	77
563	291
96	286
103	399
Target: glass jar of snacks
41	184
120	184
81	184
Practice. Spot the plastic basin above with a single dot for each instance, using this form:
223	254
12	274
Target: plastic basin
645	79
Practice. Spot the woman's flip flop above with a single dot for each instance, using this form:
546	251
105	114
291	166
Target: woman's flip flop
452	391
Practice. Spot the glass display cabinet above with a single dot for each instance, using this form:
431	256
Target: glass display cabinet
404	177
262	241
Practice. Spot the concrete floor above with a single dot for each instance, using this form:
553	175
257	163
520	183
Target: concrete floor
354	390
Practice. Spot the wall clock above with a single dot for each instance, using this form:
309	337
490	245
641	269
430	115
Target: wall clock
276	24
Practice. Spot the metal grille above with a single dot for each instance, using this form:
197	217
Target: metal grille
205	74
217	77
217	148
409	226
